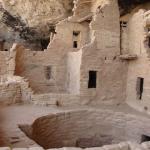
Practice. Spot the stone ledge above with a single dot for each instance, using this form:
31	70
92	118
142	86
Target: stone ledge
128	57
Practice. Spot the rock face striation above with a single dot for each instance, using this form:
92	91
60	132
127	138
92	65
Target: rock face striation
31	21
126	6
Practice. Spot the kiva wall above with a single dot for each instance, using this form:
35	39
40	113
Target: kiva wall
89	128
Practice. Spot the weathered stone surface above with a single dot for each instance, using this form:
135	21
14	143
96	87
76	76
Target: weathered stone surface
106	127
30	21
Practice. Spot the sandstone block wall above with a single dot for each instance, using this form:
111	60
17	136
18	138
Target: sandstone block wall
56	99
4	55
101	56
74	63
10	93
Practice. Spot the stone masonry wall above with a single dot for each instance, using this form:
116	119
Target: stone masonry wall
10	93
101	55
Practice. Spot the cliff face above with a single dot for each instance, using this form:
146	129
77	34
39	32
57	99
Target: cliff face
38	14
127	5
31	20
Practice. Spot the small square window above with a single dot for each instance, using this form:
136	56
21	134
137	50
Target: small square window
76	33
123	24
48	72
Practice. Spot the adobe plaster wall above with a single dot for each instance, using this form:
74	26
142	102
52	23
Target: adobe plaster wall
138	68
74	63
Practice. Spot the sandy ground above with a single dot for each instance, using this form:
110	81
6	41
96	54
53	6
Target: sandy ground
11	116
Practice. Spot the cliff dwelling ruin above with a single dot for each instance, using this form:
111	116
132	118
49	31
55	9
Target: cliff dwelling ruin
74	74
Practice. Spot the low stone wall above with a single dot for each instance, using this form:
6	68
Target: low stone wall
10	93
14	89
59	99
120	146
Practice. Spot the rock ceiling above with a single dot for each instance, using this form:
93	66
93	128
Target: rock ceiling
127	5
33	17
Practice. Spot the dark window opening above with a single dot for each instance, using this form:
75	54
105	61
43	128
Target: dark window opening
52	29
76	33
48	72
149	42
123	24
145	138
139	87
76	39
75	44
89	20
44	43
92	79
115	57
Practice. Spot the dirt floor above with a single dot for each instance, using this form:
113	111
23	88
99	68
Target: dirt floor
11	116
